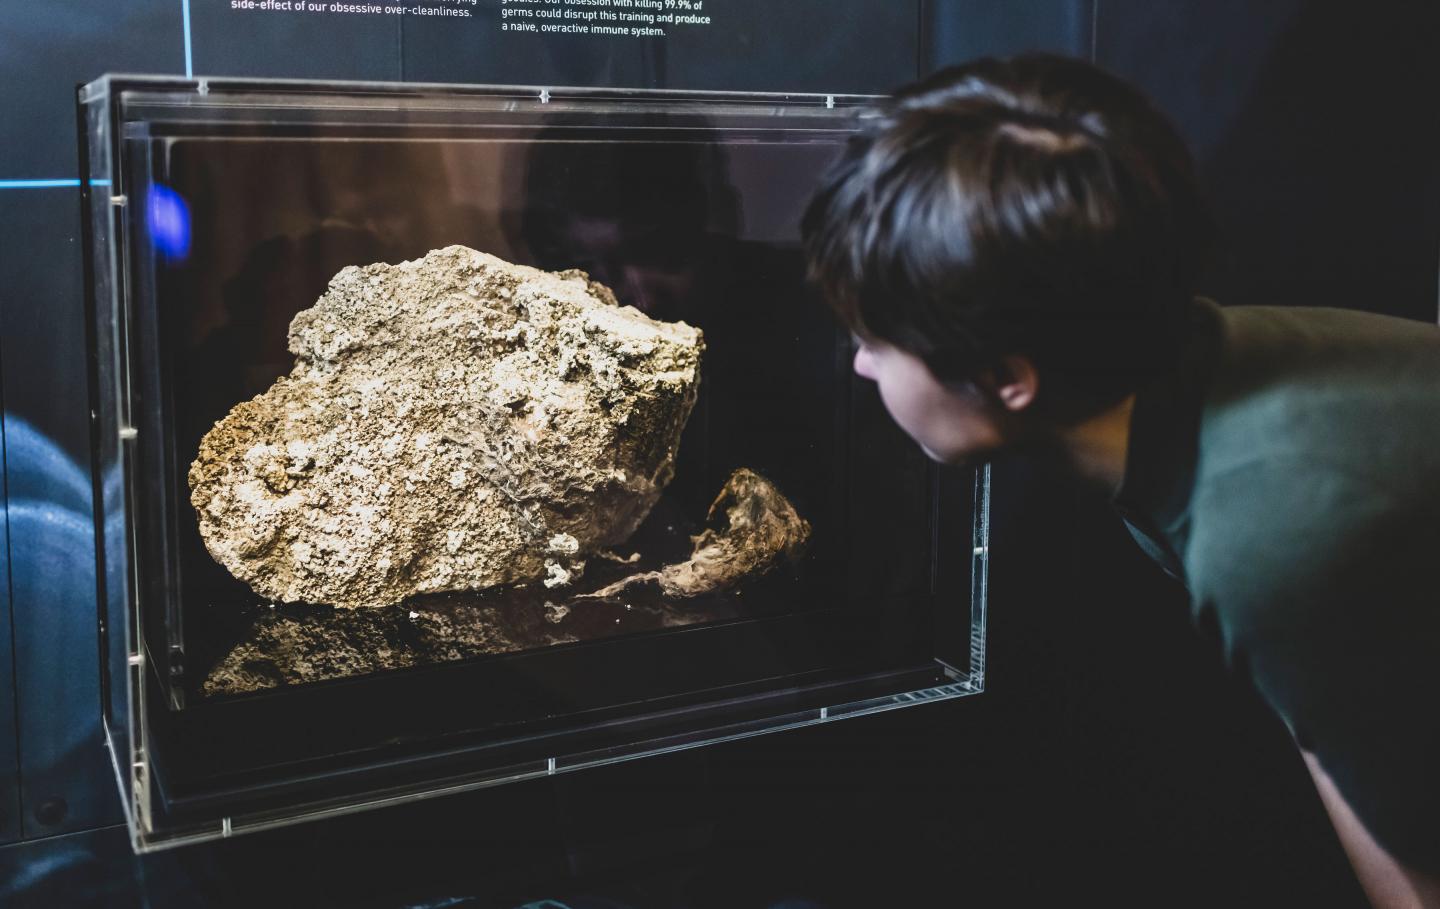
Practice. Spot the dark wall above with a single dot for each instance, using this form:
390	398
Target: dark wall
1316	128
9	757
1111	752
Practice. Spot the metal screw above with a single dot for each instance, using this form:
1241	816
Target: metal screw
52	811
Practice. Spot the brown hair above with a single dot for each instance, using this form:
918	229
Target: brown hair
1035	206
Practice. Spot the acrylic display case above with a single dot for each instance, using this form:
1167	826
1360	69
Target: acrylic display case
217	214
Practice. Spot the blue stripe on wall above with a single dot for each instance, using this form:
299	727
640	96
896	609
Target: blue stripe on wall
47	184
185	14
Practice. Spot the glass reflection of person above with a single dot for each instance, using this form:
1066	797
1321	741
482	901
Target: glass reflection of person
273	223
644	217
297	214
1015	245
660	222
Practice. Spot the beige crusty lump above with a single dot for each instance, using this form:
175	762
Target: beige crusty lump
749	529
454	422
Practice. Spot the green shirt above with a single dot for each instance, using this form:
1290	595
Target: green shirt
1288	471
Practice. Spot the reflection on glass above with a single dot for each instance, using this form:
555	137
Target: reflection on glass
742	519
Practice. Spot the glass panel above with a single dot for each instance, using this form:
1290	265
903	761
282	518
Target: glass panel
389	444
686	217
119	636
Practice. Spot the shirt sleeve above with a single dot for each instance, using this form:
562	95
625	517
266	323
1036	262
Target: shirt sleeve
1322	582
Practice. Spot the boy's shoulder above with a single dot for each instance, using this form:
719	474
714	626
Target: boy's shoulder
1326	392
1317	474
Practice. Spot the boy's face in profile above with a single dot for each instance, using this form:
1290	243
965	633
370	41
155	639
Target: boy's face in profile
952	425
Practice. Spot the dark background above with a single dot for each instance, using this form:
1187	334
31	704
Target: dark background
1112	757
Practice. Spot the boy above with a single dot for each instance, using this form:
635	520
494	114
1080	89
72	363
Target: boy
1015	245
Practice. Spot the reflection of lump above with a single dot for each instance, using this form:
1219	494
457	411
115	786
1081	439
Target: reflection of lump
288	650
451	423
750	527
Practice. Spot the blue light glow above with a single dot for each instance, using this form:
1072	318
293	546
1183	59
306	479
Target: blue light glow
169	218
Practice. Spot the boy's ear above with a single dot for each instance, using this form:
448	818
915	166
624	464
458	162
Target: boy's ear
1015	382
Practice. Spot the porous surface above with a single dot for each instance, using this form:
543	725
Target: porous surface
455	422
750	528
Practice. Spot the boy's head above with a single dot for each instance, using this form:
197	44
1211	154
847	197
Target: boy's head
1034	215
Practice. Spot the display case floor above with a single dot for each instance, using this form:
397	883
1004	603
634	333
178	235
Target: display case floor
269	646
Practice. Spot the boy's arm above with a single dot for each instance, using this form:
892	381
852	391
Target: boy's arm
1388	883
